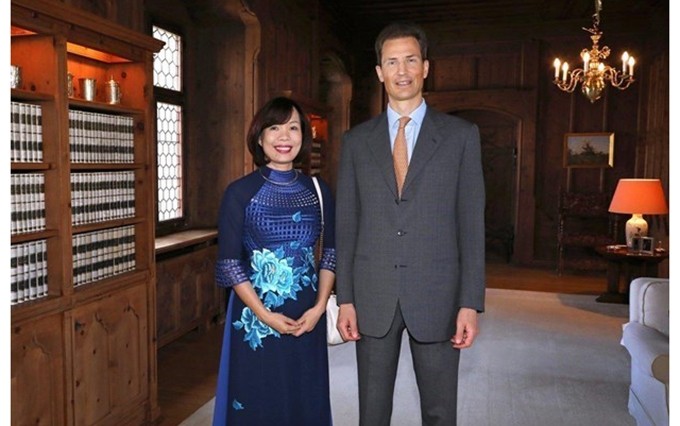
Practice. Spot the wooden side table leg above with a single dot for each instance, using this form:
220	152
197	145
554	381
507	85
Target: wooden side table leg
613	295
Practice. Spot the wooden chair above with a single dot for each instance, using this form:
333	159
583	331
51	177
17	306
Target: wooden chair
584	222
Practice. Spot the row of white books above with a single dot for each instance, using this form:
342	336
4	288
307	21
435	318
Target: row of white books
100	138
101	196
28	271
102	254
26	135
27	197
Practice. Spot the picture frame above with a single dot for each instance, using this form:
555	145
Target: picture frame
589	150
636	245
647	245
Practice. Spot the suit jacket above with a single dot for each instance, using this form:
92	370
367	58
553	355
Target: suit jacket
425	251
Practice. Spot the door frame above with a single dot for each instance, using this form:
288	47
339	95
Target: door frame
520	104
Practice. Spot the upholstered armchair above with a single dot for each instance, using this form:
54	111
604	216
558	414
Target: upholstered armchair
646	337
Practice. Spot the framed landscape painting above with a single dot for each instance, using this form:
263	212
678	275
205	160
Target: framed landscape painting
589	150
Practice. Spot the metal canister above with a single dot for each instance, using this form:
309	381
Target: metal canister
69	85
15	77
88	88
113	94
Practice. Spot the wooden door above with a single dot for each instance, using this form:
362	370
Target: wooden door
110	365
38	372
498	134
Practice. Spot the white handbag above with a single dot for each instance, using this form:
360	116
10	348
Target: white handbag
333	336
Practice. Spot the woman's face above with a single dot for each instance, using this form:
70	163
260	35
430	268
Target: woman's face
281	143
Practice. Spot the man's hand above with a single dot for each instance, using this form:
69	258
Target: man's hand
347	323
466	328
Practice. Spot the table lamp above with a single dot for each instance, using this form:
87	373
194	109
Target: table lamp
638	197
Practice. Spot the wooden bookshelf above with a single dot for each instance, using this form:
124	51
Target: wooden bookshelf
86	354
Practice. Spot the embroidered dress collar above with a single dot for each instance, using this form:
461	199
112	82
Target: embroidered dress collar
278	177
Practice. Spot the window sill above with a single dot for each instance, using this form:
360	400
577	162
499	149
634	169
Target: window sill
184	239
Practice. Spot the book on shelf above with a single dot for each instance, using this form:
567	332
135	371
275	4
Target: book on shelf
96	137
27	200
102	254
26	136
28	271
101	196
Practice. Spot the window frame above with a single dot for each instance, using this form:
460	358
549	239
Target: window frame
178	98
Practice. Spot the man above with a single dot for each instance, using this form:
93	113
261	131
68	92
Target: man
410	255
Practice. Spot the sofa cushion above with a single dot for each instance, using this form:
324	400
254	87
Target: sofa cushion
649	303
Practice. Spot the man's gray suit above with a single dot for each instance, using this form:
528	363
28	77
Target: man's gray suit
423	252
427	250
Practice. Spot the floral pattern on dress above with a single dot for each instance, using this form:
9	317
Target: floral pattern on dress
274	279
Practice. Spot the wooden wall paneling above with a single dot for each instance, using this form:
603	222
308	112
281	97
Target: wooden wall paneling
453	73
654	144
216	114
500	70
129	13
336	90
290	50
251	73
655	133
167	289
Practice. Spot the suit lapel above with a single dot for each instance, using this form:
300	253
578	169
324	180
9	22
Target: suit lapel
425	148
379	145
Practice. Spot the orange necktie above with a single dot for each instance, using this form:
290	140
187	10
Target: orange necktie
400	154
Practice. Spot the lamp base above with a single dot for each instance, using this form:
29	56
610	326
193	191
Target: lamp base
635	227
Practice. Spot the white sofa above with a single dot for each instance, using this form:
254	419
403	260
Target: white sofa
645	337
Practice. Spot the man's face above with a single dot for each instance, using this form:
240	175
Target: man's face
402	69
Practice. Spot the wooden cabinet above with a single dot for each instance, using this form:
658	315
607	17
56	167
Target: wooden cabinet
38	394
187	296
110	365
83	178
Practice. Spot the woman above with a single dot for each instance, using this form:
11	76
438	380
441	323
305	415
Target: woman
274	363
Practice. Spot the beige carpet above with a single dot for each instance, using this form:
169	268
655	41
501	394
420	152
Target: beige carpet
542	359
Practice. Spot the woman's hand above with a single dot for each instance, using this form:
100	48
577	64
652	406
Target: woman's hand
310	319
275	320
281	323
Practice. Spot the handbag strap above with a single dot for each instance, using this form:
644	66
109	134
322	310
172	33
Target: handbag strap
318	193
319	250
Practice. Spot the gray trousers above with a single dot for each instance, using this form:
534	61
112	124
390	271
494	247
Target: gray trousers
436	371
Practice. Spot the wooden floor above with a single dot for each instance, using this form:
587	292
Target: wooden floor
187	368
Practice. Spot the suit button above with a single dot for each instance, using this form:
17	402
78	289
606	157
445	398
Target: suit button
401	233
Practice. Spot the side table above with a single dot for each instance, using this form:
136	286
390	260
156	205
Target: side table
629	265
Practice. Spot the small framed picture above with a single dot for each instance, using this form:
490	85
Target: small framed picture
595	150
636	246
647	245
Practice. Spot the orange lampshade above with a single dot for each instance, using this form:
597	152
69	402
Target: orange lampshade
639	196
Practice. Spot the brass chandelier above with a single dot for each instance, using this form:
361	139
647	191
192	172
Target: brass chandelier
595	73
